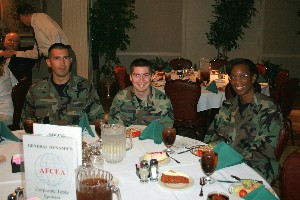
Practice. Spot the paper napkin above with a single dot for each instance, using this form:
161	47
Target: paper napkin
227	156
84	123
261	79
6	133
153	131
260	193
212	87
222	70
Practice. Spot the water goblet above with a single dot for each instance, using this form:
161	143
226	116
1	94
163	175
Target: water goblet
209	161
28	125
169	136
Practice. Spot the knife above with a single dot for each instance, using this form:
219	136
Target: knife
240	179
224	181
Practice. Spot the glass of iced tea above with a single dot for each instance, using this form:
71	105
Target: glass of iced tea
169	136
28	125
93	184
209	161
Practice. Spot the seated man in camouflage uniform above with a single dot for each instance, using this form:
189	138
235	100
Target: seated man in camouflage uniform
140	104
249	122
61	98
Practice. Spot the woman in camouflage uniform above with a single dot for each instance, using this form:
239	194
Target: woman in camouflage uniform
249	122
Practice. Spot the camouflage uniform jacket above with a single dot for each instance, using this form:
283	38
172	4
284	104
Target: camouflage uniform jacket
44	103
254	133
128	110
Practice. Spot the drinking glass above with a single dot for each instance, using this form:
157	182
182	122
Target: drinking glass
169	136
209	161
28	125
99	123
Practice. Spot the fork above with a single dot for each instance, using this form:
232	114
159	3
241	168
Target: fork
202	182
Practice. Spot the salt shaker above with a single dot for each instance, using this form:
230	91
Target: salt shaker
153	170
144	171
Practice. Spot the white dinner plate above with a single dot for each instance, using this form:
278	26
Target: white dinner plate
231	191
177	186
2	159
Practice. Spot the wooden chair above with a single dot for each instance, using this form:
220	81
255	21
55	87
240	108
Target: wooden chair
282	76
283	138
18	95
262	69
120	74
290	178
287	96
184	63
184	96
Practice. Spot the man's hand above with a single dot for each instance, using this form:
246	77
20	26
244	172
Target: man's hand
8	53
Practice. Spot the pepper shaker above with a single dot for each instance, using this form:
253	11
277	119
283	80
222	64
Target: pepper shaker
144	171
153	170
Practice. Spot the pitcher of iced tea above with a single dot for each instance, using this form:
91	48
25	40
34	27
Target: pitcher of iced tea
93	184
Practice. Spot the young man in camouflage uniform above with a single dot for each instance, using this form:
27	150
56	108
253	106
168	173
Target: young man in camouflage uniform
140	104
249	122
61	98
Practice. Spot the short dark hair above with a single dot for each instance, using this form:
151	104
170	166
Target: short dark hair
243	61
141	62
59	46
25	9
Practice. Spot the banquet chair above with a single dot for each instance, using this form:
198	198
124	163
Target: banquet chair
287	96
281	77
216	64
230	93
262	69
184	63
18	95
184	96
290	177
120	74
283	138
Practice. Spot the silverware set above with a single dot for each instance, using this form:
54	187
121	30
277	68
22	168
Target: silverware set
202	183
172	157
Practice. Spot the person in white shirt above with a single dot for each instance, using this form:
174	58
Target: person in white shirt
7	82
46	33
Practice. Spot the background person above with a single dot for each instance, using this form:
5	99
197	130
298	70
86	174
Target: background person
249	122
20	67
7	82
46	33
140	104
62	97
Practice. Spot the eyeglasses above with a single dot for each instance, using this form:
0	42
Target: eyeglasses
243	77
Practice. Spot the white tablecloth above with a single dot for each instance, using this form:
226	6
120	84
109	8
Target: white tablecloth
128	182
209	100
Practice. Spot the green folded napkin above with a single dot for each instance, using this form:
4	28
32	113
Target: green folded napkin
153	131
261	79
227	156
84	123
260	193
6	133
212	87
167	68
222	70
195	67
